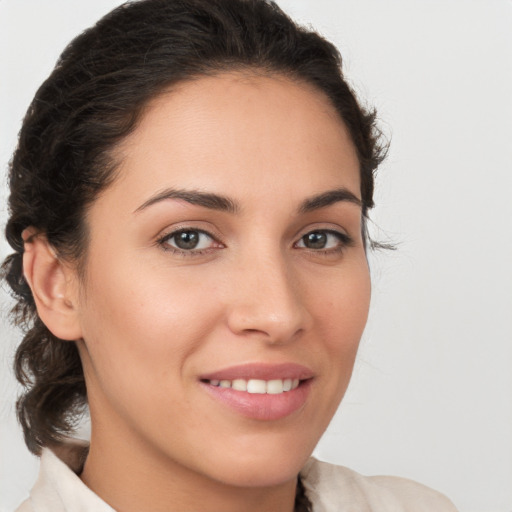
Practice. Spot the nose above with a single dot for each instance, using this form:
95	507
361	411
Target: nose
267	301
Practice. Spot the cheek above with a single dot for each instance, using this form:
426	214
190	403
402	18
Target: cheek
142	328
341	315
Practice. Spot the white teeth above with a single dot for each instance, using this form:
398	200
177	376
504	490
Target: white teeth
239	385
258	386
274	387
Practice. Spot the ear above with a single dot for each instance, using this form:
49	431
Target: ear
54	286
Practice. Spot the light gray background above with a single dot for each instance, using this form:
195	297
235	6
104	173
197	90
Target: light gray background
431	396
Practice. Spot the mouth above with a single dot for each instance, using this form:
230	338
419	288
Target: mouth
257	386
261	391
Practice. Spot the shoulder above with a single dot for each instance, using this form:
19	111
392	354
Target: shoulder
58	487
26	506
330	487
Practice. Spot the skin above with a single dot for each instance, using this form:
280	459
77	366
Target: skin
151	321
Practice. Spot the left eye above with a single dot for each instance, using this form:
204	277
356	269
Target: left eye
322	240
189	240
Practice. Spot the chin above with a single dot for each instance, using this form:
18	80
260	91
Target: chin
269	473
262	464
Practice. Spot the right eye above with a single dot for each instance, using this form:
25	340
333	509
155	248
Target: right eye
188	240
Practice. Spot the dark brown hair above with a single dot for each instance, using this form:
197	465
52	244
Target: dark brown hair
90	102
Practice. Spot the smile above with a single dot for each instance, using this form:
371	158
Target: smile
260	391
258	386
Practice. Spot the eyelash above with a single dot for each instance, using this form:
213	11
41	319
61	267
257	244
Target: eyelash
163	242
344	241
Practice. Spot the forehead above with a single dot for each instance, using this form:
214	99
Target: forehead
240	132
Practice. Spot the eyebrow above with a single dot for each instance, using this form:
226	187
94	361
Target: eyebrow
226	204
205	199
328	198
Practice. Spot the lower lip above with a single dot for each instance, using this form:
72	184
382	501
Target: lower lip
260	406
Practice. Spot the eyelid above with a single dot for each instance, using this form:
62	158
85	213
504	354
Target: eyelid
326	227
169	233
345	240
190	225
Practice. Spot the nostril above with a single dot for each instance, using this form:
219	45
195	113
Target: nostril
271	310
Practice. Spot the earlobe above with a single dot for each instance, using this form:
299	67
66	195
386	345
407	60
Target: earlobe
53	286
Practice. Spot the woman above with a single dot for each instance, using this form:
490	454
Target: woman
188	212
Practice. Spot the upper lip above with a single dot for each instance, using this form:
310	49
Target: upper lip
262	371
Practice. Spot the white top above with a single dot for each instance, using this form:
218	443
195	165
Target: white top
330	488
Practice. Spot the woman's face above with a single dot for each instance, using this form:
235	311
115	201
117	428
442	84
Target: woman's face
225	266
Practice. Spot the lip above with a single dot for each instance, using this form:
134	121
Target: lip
263	371
262	407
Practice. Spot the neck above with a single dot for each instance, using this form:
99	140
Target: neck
139	478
